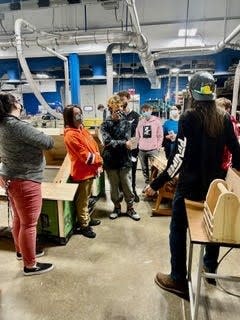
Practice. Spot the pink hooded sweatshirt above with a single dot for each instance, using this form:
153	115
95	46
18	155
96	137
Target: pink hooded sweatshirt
149	134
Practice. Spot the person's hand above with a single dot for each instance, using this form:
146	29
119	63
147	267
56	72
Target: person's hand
99	171
149	191
129	144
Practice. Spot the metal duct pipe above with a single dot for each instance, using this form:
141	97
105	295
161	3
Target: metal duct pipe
66	73
193	51
142	47
109	64
26	70
236	90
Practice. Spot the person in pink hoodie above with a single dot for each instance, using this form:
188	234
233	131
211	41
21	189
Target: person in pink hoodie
149	134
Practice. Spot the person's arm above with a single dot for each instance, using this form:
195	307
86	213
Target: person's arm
232	142
32	136
174	162
160	135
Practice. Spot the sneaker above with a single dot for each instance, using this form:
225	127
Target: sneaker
39	253
136	197
40	268
133	214
115	214
179	288
94	222
86	232
211	281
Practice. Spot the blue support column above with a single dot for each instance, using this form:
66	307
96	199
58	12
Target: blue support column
74	68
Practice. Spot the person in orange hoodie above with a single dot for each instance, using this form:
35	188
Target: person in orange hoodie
86	164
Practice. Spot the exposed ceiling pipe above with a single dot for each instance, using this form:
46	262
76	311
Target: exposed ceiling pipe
18	25
142	47
193	51
109	64
66	74
52	40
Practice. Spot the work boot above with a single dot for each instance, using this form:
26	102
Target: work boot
179	288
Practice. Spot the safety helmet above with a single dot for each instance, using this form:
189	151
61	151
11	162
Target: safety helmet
202	86
114	103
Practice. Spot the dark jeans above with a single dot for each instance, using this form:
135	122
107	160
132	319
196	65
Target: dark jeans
177	238
134	170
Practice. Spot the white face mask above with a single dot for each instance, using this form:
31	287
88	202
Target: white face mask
78	117
174	113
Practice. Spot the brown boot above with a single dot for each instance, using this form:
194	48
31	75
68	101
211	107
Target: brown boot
179	288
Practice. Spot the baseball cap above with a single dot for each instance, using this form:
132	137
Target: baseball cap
202	86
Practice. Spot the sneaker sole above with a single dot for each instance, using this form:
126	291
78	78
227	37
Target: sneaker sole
37	272
37	256
177	292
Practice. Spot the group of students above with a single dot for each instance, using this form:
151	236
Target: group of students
197	149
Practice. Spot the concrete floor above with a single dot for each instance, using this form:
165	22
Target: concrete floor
110	277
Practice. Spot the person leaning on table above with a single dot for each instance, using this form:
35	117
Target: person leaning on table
203	132
21	173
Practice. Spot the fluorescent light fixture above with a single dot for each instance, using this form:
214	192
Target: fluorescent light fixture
189	32
115	73
174	70
42	75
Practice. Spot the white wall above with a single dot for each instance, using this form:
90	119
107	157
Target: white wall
93	95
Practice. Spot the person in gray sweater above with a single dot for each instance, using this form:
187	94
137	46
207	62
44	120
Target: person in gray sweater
21	173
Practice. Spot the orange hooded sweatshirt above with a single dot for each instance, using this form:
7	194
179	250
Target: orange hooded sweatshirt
83	152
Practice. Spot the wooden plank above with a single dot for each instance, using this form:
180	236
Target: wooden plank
195	222
64	171
59	191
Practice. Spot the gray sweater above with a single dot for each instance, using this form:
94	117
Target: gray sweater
21	149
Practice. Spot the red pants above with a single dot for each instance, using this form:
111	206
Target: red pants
26	202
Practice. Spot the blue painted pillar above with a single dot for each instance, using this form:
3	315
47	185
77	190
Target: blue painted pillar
74	68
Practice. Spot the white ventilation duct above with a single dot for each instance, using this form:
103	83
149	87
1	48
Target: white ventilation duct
193	51
142	47
18	25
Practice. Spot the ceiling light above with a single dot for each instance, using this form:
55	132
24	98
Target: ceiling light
174	70
42	75
115	73
189	32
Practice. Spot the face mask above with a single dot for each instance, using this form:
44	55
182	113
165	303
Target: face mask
78	117
147	114
174	113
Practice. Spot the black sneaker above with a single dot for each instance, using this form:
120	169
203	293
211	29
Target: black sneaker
94	222
39	253
87	232
136	197
133	214
40	268
115	214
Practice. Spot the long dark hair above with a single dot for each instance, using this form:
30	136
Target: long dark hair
7	103
211	117
68	115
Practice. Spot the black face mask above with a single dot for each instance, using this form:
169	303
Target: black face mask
120	113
